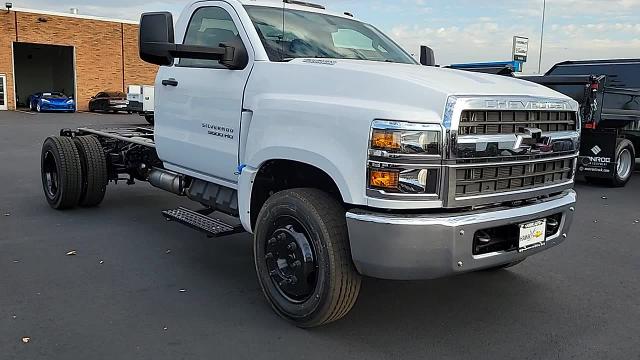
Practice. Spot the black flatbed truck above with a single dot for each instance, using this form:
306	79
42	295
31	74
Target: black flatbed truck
608	92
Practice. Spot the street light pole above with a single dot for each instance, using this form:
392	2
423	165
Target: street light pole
544	11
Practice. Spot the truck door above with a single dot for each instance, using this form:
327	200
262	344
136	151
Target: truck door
199	102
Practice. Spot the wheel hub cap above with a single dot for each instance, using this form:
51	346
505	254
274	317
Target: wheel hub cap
624	164
291	263
51	174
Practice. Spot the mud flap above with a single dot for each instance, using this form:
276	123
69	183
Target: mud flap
598	153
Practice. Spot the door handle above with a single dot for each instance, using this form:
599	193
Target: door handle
170	82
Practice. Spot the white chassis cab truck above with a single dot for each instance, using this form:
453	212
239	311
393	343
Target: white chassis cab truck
341	154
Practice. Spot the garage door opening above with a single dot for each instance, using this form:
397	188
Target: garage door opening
42	68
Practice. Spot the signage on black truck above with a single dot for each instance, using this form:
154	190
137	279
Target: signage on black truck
597	153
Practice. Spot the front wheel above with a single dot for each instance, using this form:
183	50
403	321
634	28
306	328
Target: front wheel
38	107
303	258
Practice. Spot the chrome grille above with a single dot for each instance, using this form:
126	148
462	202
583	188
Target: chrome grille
487	180
494	122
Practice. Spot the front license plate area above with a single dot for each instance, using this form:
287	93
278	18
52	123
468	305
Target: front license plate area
532	235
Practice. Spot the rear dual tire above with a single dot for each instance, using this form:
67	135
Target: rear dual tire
74	171
61	172
303	258
94	170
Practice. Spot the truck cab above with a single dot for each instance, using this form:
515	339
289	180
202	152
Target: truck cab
338	151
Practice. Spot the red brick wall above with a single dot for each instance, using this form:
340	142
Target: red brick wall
106	53
7	36
136	71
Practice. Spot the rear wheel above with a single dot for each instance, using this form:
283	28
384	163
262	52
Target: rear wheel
626	161
61	172
303	259
625	164
94	170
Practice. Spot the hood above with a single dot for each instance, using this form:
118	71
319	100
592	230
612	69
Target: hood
449	81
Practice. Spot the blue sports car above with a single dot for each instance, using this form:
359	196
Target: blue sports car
51	101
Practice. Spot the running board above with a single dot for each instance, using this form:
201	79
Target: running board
208	225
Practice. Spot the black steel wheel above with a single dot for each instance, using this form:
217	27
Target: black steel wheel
94	170
303	259
291	260
61	172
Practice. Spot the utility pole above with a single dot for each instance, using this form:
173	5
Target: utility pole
544	12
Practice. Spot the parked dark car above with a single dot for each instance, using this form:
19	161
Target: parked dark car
113	101
51	101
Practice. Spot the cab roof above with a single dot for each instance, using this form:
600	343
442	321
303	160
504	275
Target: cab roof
280	3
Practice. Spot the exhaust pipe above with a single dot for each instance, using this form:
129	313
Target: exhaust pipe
167	181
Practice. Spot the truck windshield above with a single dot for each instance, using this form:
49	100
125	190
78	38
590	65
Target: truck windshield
303	34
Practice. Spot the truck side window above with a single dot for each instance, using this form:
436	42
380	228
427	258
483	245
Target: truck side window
209	26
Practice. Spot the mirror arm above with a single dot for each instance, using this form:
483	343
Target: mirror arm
197	52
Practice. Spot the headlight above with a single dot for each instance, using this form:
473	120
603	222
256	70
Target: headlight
404	158
70	101
406	138
404	181
44	100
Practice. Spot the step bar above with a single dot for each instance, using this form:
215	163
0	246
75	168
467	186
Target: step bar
208	225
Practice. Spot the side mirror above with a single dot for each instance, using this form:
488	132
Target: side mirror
157	45
427	56
156	38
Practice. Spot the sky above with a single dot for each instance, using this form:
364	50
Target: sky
458	30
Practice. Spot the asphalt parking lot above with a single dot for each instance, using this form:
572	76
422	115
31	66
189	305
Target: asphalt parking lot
143	288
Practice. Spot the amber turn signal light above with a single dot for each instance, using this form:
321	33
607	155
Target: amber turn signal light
385	140
384	179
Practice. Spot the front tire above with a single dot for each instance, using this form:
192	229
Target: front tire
61	172
94	170
303	258
38	107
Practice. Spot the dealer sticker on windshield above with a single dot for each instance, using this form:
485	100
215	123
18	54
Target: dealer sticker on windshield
532	235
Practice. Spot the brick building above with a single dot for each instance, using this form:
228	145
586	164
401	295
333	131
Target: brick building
75	54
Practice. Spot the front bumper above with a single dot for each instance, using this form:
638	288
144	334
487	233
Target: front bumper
57	107
427	246
118	107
